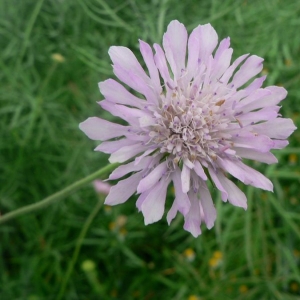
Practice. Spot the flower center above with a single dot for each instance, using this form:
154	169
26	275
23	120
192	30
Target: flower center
191	127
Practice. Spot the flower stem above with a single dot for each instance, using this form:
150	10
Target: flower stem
78	245
57	196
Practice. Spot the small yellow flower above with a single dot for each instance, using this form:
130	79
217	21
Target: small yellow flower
294	287
193	297
216	260
121	220
288	62
218	255
189	254
114	293
293	158
296	253
57	57
112	226
123	232
243	289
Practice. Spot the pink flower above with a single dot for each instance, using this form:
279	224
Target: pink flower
101	187
196	116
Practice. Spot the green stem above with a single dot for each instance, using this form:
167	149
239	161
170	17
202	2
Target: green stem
82	234
57	196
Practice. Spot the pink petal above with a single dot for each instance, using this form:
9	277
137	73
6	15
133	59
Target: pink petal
125	58
192	220
116	93
149	60
121	192
209	210
112	146
279	144
101	187
251	140
224	45
202	41
174	43
181	198
172	212
267	113
251	67
154	205
141	199
130	115
216	181
235	196
152	178
99	129
246	174
161	63
228	73
135	82
127	152
128	168
199	170
246	104
277	128
185	178
265	157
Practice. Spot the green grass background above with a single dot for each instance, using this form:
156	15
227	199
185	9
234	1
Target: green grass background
42	151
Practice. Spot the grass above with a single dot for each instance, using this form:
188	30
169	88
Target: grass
247	255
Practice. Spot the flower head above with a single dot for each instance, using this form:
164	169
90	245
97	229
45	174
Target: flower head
197	115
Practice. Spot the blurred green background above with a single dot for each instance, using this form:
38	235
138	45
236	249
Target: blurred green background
53	54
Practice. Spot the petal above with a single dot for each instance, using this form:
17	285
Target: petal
128	69
192	220
228	73
235	196
112	146
247	104
152	178
135	82
185	178
121	192
246	174
161	63
181	198
251	140
224	45
251	67
202	41
265	157
114	92
221	65
278	128
279	144
149	60
99	129
216	181
172	212
128	168
174	43
209	210
154	205
124	57
199	170
130	115
141	199
127	152
267	113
